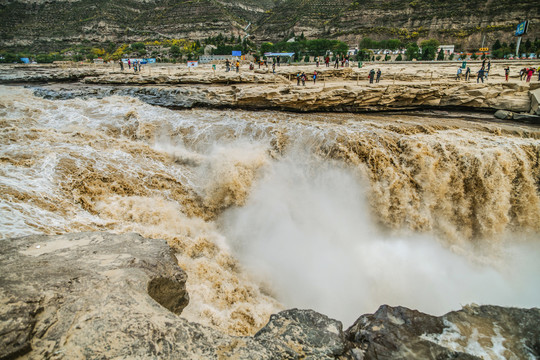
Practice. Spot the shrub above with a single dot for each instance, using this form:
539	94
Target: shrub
399	58
441	55
306	59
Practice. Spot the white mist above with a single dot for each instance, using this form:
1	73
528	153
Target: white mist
306	234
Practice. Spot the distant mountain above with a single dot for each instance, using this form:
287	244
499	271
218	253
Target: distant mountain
56	24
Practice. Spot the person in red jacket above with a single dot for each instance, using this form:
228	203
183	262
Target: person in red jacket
530	72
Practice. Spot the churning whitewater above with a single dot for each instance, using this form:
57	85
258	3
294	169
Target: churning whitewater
266	210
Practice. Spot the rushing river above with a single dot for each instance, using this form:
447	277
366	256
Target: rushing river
267	210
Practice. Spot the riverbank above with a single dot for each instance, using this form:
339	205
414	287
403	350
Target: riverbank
402	87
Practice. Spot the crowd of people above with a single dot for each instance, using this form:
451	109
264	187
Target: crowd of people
136	64
482	74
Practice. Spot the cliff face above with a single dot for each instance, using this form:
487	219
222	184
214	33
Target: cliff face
51	25
462	23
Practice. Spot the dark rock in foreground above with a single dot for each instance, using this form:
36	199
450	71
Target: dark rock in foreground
99	295
475	332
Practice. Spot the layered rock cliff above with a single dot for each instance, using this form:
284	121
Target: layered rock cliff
56	25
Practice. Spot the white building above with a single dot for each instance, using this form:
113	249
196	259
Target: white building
448	49
205	59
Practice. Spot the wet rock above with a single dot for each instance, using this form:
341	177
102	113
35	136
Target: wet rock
475	332
307	333
504	114
534	119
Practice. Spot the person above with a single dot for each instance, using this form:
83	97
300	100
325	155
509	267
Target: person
273	68
378	75
327	61
506	72
521	73
314	77
484	64
278	59
251	67
121	65
530	73
458	75
489	65
237	66
371	76
298	75
538	71
227	65
467	73
336	64
480	75
303	77
129	64
317	61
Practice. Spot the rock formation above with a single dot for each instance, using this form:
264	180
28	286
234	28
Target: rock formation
99	295
56	25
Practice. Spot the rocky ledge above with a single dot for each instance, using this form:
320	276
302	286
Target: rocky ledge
332	97
99	295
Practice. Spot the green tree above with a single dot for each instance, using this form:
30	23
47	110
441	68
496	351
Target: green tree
528	46
139	48
429	49
441	55
267	47
412	52
394	44
175	51
497	45
367	43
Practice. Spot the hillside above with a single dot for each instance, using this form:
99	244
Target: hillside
463	23
54	25
40	25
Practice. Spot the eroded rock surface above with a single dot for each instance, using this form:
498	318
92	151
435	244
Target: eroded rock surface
475	332
349	98
102	296
99	295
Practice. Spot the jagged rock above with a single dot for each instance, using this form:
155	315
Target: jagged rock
475	332
504	115
307	333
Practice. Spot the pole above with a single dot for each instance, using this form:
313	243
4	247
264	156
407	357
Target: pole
517	47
